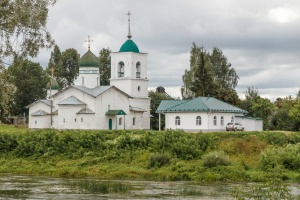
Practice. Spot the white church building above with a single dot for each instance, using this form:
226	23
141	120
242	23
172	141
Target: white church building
88	105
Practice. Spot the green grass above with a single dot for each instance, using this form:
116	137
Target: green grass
146	155
4	128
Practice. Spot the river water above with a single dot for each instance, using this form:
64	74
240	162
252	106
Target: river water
40	187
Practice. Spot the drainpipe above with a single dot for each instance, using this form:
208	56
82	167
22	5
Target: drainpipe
124	122
159	122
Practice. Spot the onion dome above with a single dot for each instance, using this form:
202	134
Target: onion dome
89	60
129	46
54	84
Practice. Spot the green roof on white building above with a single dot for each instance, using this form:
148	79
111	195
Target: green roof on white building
199	104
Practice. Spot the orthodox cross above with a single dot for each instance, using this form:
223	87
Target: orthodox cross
129	33
89	42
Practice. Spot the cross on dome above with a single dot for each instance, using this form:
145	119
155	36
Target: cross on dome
129	33
89	42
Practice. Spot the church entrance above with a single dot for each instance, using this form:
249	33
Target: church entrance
115	113
110	124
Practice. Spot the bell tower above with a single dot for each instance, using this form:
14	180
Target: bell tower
129	68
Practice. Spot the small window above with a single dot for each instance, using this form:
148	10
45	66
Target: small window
222	120
177	120
75	120
138	70
215	120
139	88
81	119
82	80
120	121
232	119
108	107
97	80
121	69
64	120
133	121
198	120
35	122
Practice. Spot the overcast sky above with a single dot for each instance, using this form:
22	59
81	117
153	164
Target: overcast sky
261	39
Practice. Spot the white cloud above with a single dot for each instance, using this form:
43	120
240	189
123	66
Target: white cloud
283	15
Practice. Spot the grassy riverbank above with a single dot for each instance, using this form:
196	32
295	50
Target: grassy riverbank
151	155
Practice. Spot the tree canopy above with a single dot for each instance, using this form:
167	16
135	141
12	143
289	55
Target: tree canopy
23	27
65	65
105	66
30	80
55	63
7	91
210	74
70	62
156	97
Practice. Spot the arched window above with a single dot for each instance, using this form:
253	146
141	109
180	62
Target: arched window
177	120
232	119
198	120
215	120
138	70
222	120
121	69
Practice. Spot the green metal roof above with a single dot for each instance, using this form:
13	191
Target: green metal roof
115	112
89	60
129	46
199	104
54	84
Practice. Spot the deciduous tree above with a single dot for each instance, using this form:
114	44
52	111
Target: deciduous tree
70	63
30	80
105	66
294	113
23	27
55	62
156	97
210	74
7	91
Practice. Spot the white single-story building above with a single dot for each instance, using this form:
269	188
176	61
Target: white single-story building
204	114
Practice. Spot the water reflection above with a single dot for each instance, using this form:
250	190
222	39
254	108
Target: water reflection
39	187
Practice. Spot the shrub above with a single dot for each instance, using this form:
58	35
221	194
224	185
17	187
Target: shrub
271	157
275	138
159	160
215	158
289	157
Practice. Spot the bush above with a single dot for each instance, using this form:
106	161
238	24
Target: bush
159	160
215	158
289	157
275	138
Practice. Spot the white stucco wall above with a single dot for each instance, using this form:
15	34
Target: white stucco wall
188	121
130	84
39	121
250	124
88	77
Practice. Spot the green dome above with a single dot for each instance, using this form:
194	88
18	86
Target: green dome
129	46
54	84
89	60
